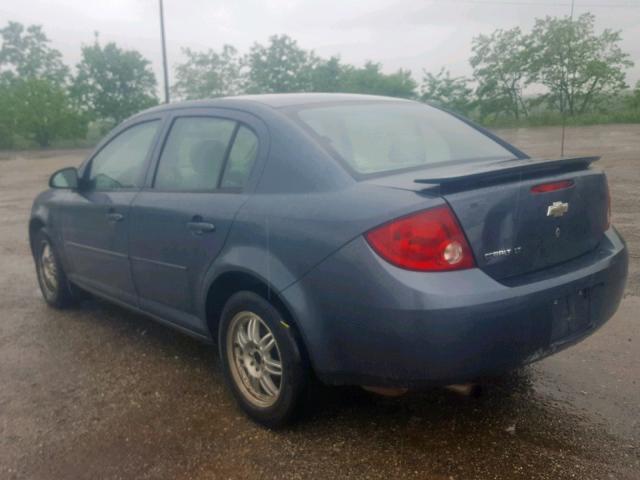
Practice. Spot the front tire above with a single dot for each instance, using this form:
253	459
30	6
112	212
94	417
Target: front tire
262	360
54	285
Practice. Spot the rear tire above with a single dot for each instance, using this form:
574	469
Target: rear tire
54	285
262	360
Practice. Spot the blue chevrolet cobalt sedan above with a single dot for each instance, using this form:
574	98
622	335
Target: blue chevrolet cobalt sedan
358	240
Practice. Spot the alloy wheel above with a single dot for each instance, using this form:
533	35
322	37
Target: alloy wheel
48	269
254	359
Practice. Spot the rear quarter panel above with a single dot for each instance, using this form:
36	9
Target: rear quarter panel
280	237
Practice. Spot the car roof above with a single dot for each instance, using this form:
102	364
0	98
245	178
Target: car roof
279	100
274	100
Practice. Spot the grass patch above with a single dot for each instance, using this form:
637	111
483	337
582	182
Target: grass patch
548	119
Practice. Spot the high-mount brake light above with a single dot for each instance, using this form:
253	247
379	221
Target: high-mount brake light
428	241
552	187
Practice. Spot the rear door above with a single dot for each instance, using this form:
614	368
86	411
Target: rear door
180	221
95	220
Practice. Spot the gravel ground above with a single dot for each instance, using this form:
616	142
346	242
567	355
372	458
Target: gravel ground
99	392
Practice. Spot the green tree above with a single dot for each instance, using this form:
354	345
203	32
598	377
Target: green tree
209	74
43	111
634	98
280	67
25	53
328	75
370	80
575	63
501	62
112	83
33	100
7	113
450	92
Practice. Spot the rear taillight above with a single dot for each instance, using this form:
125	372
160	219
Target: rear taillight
552	187
429	240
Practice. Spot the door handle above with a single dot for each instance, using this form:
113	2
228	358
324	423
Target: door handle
115	217
199	227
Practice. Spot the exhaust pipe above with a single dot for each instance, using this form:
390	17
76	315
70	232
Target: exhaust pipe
386	392
465	389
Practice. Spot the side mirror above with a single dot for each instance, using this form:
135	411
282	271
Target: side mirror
65	178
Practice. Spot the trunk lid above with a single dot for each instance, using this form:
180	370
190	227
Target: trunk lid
512	230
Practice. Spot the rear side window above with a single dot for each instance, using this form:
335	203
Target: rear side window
120	162
194	153
385	137
241	159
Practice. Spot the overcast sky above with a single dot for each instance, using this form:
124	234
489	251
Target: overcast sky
414	34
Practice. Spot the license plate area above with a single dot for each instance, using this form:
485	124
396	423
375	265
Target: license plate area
571	316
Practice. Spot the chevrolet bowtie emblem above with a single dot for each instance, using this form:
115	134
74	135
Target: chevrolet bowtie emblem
557	209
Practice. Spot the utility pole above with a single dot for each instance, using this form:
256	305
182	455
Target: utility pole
164	55
562	99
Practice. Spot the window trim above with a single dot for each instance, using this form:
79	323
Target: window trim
232	142
227	153
218	188
87	167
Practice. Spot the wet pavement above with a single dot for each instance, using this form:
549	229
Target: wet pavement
99	392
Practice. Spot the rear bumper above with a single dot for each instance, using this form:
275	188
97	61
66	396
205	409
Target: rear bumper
369	323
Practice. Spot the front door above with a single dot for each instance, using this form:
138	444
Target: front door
180	223
96	219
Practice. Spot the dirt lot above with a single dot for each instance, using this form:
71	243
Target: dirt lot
98	392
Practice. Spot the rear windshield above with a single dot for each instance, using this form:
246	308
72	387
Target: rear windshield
385	137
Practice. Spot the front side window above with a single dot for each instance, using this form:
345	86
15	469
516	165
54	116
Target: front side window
386	137
193	156
119	164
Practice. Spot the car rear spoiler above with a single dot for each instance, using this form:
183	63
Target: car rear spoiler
501	170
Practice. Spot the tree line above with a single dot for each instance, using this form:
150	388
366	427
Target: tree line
42	100
570	67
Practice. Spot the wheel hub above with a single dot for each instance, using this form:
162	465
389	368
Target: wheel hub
253	361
